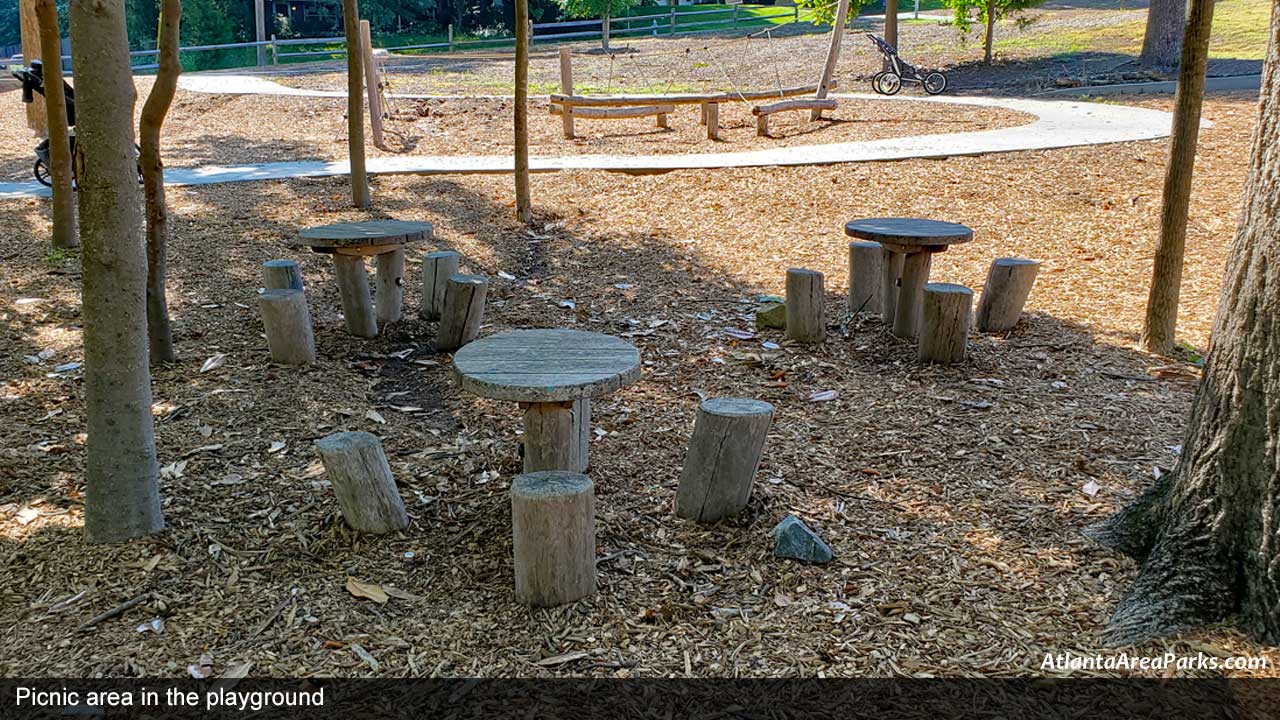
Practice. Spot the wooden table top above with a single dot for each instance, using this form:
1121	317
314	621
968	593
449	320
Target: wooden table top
909	231
546	365
364	233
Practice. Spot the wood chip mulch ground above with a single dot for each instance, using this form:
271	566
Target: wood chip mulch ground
953	496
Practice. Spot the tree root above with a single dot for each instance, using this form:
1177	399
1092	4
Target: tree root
1134	529
1179	587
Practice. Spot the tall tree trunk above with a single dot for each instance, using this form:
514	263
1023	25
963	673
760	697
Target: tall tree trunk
65	234
1162	41
122	498
604	31
890	26
29	29
524	209
1158	332
153	114
1207	534
990	38
355	104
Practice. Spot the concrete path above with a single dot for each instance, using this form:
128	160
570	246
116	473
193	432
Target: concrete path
1059	124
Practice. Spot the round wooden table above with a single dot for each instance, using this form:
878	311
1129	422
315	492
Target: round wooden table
553	374
907	246
349	244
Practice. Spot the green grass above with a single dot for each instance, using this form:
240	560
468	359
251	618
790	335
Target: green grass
1240	29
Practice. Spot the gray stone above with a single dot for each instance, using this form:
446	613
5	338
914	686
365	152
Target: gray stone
798	542
771	315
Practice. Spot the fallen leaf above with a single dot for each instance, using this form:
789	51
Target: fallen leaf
824	395
399	594
214	363
562	659
368	591
374	416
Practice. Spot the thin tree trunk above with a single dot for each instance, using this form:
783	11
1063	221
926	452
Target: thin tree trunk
154	111
29	29
524	209
891	22
65	234
1162	41
990	38
122	498
1159	329
604	32
1207	534
355	104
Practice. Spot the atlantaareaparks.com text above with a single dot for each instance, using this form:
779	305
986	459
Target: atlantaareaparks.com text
1124	661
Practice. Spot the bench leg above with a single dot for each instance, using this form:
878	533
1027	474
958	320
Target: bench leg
915	273
662	121
551	439
713	121
891	271
762	126
390	282
353	286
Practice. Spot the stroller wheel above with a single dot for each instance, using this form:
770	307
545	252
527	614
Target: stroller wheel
875	81
890	83
935	83
41	171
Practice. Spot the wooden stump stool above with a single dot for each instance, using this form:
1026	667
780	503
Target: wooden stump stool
437	268
390	284
282	274
1009	282
463	311
287	323
944	325
362	480
806	321
553	537
864	276
724	454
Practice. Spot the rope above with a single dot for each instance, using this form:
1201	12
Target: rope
728	79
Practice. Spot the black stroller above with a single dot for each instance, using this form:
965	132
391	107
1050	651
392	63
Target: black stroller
889	82
32	79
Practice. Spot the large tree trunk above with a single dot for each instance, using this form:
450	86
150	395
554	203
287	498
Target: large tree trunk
1163	39
355	104
153	114
1207	533
122	498
890	26
64	198
524	210
1158	332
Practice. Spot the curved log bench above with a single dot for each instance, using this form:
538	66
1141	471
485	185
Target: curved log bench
762	112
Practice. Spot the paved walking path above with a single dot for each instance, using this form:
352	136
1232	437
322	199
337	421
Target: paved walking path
1058	124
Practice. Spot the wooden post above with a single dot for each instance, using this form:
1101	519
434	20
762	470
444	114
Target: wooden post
450	37
662	121
355	105
372	85
362	480
1009	282
890	276
553	537
724	454
29	30
944	322
833	55
865	273
713	120
805	297
891	24
437	267
287	323
463	311
390	285
275	51
260	26
580	451
353	286
915	273
762	124
282	274
552	438
673	19
566	88
524	201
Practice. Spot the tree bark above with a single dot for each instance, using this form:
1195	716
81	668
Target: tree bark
355	104
890	25
1162	41
1159	328
159	332
29	29
65	234
122	498
990	38
524	203
1206	534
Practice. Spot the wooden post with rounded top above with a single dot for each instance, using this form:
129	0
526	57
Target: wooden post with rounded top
287	324
437	268
362	480
944	322
805	298
724	454
1009	282
865	276
553	537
